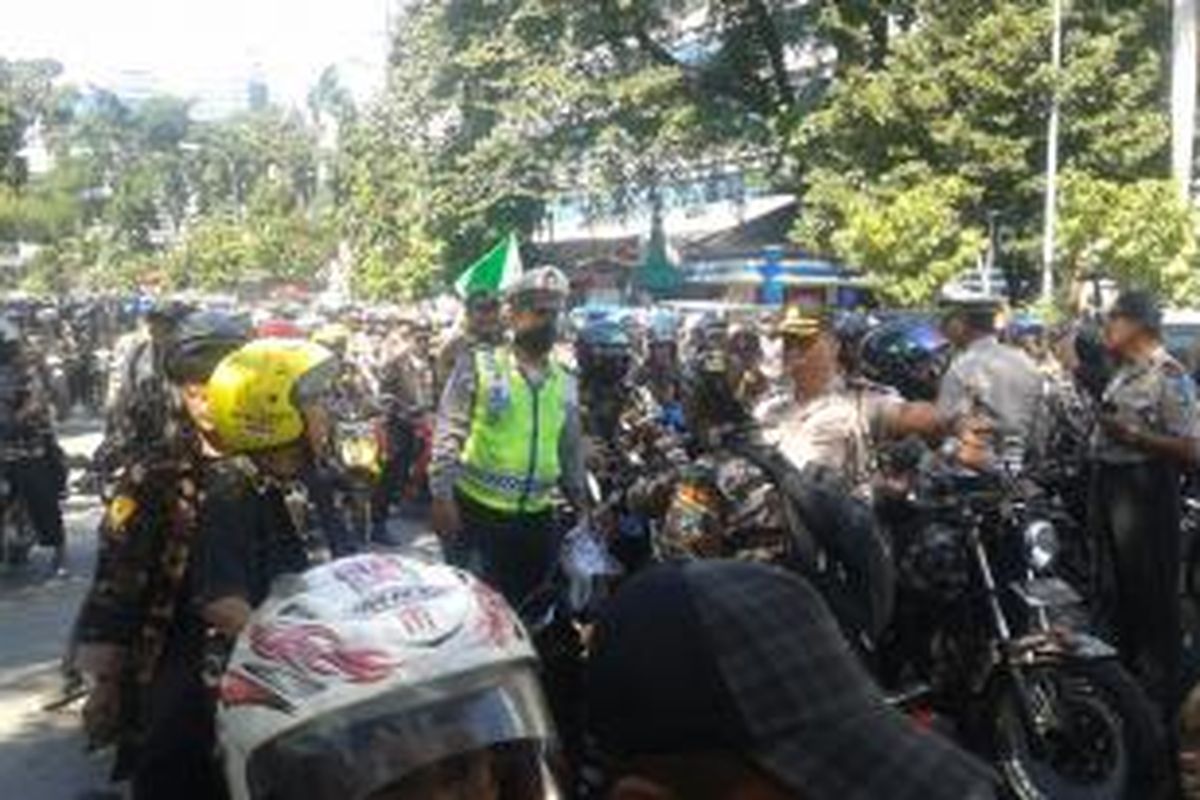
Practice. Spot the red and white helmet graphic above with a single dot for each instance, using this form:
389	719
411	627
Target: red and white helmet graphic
358	639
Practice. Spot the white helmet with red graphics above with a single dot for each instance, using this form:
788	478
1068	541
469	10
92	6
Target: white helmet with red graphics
381	677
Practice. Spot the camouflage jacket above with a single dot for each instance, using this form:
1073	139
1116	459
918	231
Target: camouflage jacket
145	541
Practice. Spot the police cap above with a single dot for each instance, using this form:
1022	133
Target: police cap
800	323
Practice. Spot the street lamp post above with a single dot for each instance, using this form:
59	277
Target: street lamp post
1183	92
1052	159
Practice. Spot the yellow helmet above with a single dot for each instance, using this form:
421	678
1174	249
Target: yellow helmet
335	336
256	393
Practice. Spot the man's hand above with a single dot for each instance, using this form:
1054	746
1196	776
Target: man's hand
974	441
446	519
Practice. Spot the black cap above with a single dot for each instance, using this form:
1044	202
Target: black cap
199	341
1139	306
169	312
743	657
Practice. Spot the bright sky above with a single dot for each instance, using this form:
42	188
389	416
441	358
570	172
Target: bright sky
196	47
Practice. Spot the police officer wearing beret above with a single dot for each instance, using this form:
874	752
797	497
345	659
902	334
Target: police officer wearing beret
1144	436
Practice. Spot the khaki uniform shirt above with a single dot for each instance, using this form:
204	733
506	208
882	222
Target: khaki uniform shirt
1153	395
1002	381
839	429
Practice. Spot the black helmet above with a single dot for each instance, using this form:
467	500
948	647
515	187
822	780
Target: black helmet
1139	306
850	328
199	341
170	312
906	354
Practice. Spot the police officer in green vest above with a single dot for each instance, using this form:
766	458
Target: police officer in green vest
507	437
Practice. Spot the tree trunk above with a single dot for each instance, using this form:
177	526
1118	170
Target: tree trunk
769	36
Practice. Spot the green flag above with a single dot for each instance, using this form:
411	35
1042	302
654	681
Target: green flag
493	273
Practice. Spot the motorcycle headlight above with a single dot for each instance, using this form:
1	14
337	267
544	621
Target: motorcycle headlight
1041	544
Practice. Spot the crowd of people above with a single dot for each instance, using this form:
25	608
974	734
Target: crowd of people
249	635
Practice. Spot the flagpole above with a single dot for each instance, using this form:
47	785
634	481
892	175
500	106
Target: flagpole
1051	213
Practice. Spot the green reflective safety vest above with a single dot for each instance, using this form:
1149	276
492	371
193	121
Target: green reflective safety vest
510	461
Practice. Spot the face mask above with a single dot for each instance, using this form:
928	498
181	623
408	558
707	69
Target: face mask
537	340
611	370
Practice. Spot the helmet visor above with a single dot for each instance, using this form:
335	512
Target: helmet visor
313	385
355	752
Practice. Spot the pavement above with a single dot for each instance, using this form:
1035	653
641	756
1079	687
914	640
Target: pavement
42	754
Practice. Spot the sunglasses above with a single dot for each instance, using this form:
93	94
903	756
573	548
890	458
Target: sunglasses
491	304
535	307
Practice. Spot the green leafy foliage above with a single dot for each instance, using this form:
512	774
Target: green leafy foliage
959	106
497	108
142	194
904	125
27	95
1139	233
909	237
384	214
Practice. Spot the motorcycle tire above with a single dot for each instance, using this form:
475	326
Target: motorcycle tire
1123	757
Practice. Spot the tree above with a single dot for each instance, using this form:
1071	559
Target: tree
505	105
964	94
909	236
215	253
142	192
385	215
1139	233
27	97
268	150
330	98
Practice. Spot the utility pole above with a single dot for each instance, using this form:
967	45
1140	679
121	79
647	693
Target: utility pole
1051	212
992	251
1183	92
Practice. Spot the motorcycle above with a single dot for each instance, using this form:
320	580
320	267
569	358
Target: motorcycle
969	624
359	447
558	614
991	635
744	499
